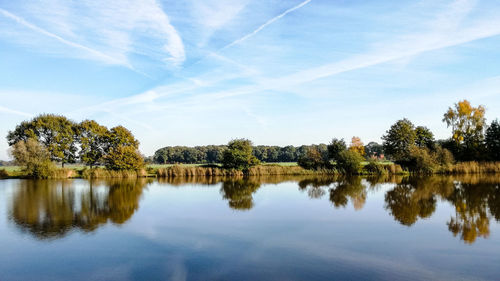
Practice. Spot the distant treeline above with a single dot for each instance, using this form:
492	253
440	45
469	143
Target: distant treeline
264	153
6	163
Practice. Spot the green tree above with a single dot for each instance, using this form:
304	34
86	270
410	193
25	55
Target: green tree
399	139
492	140
468	124
33	157
121	136
238	155
312	159
349	161
57	133
92	137
374	149
239	193
123	157
424	137
335	147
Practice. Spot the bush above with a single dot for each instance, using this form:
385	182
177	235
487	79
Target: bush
443	156
421	160
34	158
394	169
3	174
312	160
349	162
374	167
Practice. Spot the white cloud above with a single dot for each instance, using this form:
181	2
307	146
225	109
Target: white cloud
12	111
108	31
214	14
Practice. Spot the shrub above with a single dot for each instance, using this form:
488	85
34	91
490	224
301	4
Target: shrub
3	174
34	159
394	169
312	160
421	160
443	156
349	162
374	167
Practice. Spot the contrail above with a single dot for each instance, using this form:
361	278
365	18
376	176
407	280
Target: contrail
266	24
33	27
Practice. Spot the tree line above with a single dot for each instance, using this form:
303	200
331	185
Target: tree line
264	153
47	139
415	148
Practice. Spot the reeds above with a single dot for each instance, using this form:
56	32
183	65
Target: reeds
62	173
471	167
261	170
100	173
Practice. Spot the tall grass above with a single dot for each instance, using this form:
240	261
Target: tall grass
471	167
63	173
261	170
100	173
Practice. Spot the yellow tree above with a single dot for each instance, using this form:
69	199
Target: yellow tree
466	121
468	124
357	146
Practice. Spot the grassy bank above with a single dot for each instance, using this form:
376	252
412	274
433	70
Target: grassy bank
277	169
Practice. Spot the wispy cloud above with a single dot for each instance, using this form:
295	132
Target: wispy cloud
238	41
98	55
107	31
212	15
15	112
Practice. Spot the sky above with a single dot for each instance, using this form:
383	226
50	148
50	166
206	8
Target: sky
187	72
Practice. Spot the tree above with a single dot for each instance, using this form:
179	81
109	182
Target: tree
239	155
33	157
121	150
349	161
287	154
92	137
492	140
399	139
239	193
424	137
312	159
468	124
373	149
335	147
55	132
357	146
121	136
123	157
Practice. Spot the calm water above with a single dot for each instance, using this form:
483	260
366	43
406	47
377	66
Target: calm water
256	229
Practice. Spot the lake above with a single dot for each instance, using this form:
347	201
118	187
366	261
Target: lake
268	228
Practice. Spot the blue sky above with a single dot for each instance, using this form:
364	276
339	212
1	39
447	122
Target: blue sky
189	72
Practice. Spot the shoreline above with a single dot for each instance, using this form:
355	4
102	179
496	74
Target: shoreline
461	168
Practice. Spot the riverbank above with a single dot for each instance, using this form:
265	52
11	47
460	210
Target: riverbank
172	171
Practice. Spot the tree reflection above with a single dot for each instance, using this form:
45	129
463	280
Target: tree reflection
349	188
51	209
471	203
239	193
473	198
315	186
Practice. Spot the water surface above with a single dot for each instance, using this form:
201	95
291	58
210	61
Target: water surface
273	228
